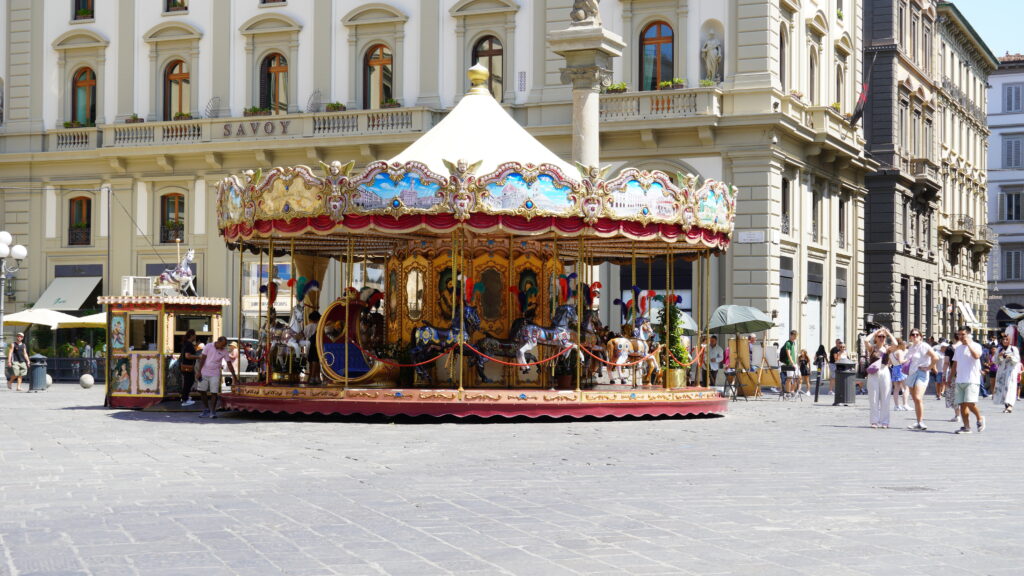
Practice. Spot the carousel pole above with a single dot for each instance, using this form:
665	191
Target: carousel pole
707	317
580	277
632	266
460	283
291	294
512	301
668	301
270	279
348	320
241	274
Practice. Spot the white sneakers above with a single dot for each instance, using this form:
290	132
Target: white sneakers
188	402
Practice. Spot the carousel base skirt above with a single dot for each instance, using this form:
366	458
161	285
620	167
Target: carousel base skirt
477	402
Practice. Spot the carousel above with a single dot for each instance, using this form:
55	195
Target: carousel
484	246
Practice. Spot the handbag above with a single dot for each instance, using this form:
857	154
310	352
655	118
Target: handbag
906	367
874	367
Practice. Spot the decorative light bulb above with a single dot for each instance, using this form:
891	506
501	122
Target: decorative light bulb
5	250
19	252
6	238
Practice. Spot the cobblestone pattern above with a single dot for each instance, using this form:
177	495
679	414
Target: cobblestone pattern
772	488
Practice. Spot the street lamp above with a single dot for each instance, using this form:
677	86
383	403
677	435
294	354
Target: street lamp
18	253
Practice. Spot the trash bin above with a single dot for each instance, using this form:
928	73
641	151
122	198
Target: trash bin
846	382
37	373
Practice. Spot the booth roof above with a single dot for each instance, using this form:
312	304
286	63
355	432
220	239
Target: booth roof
479	129
187	300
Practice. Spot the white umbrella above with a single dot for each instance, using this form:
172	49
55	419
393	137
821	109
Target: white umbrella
43	316
98	320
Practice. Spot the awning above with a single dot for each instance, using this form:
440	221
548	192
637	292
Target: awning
965	310
67	293
98	320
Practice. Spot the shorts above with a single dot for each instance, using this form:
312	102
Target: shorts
19	369
918	378
966	393
209	384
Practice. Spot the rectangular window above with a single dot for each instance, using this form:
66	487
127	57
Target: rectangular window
904	141
83	10
1012	148
913	39
1010	210
815	216
1012	97
786	214
927	49
904	304
927	309
842	223
1012	265
175	5
900	24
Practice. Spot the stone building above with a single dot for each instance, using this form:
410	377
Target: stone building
1006	188
926	240
121	115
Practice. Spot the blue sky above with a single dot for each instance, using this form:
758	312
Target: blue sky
997	21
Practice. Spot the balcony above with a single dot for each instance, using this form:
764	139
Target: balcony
222	130
926	178
828	123
661	104
984	239
841	236
961	228
172	234
79	236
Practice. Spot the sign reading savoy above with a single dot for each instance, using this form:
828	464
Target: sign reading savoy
257	128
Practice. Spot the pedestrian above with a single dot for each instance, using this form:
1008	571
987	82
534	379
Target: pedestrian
788	364
967	368
820	359
833	354
209	369
899	391
804	362
1007	376
921	360
187	367
879	384
938	375
990	365
715	357
17	359
312	354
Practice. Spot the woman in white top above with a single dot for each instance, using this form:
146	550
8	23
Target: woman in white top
1007	375
879	381
923	360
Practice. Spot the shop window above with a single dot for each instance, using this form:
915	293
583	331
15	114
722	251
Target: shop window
489	53
80	221
656	55
274	84
378	77
83	97
172	218
142	332
177	91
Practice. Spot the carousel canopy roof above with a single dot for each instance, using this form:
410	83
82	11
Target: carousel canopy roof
478	129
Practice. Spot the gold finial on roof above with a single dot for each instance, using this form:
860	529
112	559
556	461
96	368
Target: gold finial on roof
478	75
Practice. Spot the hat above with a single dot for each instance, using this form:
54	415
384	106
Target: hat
22	334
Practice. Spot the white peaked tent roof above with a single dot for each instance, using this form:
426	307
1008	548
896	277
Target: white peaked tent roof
479	129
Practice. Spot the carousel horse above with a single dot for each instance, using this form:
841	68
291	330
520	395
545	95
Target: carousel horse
179	280
594	339
559	334
631	346
427	340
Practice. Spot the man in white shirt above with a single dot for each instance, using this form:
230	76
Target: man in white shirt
967	370
715	358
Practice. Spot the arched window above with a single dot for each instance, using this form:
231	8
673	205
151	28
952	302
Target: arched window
812	79
172	217
83	96
378	77
489	53
79	221
840	88
274	84
783	58
656	60
177	91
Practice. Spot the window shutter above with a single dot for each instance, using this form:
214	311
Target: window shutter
1001	206
264	95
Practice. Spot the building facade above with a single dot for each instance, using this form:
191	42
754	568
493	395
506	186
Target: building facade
926	239
1006	188
121	115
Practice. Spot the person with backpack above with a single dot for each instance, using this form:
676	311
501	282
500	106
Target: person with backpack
187	367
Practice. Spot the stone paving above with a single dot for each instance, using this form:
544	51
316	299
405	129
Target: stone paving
772	488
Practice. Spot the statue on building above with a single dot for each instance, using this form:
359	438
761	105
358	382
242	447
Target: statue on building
585	13
712	55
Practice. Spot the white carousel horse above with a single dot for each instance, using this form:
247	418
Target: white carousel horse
631	348
179	280
559	334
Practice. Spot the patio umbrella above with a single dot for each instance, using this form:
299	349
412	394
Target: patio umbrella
735	319
690	327
98	320
43	316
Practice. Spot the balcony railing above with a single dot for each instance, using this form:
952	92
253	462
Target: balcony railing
785	224
984	239
814	230
841	235
68	139
683	103
79	236
171	234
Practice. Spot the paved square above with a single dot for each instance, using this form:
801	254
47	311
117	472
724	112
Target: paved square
772	488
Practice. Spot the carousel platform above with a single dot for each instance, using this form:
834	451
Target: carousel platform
478	402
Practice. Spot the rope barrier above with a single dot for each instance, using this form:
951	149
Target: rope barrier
544	361
644	359
691	362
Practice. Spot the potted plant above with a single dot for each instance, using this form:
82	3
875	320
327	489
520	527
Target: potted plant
796	94
707	82
678	83
174	224
182	116
665	85
617	88
390	103
835	106
83	14
675	372
839	13
335	107
256	111
73	124
134	119
177	6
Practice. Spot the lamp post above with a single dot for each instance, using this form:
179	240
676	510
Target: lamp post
18	253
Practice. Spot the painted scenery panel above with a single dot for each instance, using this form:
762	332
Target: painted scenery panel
410	192
515	193
635	202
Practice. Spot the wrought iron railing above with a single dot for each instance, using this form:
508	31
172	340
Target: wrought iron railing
785	224
171	234
842	238
79	236
964	222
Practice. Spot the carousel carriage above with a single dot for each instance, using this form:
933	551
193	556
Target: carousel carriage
487	247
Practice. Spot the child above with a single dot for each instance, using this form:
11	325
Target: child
804	361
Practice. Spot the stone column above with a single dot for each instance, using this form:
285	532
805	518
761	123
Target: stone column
588	51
